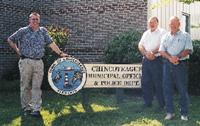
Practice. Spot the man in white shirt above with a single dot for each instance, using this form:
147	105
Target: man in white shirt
152	64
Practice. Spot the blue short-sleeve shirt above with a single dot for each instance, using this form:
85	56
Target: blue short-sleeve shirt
175	44
31	43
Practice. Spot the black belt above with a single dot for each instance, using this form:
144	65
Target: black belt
24	57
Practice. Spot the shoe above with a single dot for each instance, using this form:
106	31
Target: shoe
35	113
184	118
169	116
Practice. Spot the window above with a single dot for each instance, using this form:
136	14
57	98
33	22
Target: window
185	22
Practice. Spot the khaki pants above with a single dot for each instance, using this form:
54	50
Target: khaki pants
31	76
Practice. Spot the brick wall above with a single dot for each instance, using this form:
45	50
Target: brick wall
92	23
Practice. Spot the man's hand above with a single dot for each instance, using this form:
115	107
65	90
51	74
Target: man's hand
64	54
150	55
174	60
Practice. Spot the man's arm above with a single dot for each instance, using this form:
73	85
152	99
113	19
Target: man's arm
147	54
172	59
141	49
184	53
14	46
55	48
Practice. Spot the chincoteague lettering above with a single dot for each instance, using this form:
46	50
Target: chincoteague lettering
115	68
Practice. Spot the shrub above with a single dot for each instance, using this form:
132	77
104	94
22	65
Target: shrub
123	49
60	36
194	69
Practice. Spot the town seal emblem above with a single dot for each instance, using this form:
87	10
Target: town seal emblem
67	75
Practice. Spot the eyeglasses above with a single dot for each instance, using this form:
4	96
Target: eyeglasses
35	19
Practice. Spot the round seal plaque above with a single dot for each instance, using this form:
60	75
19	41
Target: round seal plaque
67	75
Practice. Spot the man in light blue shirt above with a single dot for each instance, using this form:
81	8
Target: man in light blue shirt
175	47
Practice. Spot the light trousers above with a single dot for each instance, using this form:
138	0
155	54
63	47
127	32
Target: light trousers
31	76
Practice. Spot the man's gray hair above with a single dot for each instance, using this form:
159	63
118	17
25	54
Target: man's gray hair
34	13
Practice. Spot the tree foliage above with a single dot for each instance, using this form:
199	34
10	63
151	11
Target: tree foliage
189	1
185	1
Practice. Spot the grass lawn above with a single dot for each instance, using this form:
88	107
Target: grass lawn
102	110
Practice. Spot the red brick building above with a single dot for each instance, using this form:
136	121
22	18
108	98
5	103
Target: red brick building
92	24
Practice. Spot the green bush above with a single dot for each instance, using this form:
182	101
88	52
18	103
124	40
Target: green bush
60	36
123	49
194	69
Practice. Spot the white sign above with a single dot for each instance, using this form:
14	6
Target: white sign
113	75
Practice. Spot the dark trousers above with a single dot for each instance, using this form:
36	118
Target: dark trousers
152	81
175	75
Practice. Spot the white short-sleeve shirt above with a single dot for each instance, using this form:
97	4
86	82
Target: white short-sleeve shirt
151	40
